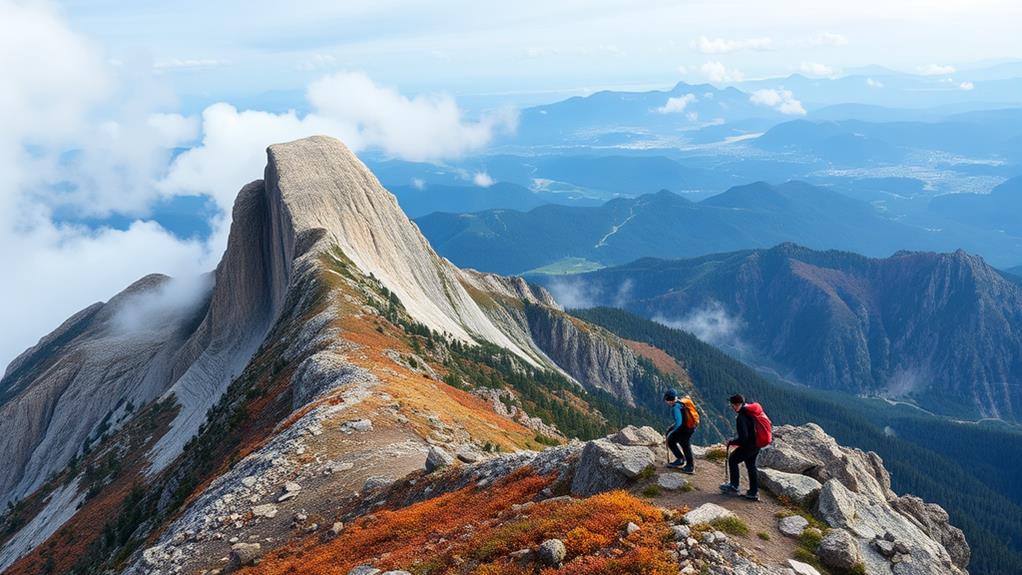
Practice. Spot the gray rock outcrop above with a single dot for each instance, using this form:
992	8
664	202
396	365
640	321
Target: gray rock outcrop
795	487
605	465
839	550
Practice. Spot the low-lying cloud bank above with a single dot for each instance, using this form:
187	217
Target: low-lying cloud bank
93	138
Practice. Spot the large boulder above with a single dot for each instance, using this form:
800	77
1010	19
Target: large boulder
793	486
605	465
932	519
839	550
807	449
243	554
792	525
706	513
437	458
868	519
645	436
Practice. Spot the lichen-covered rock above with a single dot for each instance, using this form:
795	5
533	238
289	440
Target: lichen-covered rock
632	435
839	550
706	513
605	465
796	487
792	525
552	552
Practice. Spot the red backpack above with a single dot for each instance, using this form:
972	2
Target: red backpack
763	428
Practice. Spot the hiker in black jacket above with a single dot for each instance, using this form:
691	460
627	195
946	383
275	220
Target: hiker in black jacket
746	450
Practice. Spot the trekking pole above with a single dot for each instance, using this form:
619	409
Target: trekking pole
727	467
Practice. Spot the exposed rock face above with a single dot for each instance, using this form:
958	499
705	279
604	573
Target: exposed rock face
598	360
56	396
605	465
856	496
808	450
796	487
932	519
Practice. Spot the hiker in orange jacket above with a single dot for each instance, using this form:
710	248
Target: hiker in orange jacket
679	435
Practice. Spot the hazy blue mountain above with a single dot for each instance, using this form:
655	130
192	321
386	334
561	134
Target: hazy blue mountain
612	118
419	201
937	328
979	135
1001	209
667	225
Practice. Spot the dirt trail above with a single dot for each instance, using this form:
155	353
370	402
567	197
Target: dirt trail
759	515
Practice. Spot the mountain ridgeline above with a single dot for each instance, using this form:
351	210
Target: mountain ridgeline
667	225
938	329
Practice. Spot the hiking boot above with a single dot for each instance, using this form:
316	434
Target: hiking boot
688	469
728	488
751	496
676	463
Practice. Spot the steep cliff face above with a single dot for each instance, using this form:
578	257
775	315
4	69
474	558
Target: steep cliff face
935	327
86	378
586	352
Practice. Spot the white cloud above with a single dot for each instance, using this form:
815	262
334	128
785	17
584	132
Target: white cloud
348	106
710	323
52	103
717	73
874	83
482	179
935	70
424	127
726	46
966	86
817	69
676	104
418	183
781	100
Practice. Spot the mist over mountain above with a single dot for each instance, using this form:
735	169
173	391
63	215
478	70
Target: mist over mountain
936	329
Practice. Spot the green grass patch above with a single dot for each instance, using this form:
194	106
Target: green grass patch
731	525
763	535
651	491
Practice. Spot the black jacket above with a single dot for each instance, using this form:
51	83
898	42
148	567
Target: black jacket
746	430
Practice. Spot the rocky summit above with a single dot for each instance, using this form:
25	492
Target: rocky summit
337	398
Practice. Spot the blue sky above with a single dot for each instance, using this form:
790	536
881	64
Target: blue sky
101	97
526	51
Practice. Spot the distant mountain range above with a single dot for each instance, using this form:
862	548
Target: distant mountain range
667	225
1001	209
939	328
421	200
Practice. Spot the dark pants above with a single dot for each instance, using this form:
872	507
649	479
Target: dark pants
747	455
681	437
